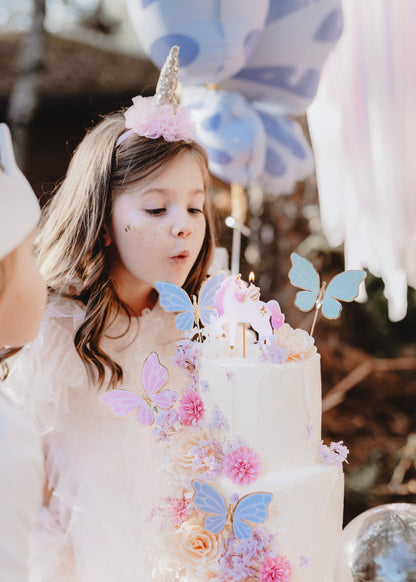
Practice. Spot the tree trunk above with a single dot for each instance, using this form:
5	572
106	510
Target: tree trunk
24	98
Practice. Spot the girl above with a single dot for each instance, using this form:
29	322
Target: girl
132	210
22	302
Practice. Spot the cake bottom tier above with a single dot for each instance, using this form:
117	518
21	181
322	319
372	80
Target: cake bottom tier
306	516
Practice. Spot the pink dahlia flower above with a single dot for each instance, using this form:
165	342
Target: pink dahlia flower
242	466
276	569
178	509
191	407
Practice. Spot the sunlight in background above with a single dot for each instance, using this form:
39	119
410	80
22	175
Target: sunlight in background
15	15
72	19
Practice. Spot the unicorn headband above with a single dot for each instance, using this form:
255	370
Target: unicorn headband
160	115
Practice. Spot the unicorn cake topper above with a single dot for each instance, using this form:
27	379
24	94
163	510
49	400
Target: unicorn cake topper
222	300
325	298
236	303
161	115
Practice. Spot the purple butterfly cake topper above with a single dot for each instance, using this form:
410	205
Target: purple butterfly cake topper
151	399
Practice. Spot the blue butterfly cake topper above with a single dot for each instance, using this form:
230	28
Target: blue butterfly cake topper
250	508
326	298
175	299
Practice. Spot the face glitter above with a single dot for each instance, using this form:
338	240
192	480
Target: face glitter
136	229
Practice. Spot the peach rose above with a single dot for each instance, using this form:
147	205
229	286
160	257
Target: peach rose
196	546
181	448
300	344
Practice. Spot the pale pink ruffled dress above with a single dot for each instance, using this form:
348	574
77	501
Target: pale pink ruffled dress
103	468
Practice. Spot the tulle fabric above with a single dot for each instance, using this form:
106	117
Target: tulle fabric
21	485
102	468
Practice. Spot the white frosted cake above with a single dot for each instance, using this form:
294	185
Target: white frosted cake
276	410
254	493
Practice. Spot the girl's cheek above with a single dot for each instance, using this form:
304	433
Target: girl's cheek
135	230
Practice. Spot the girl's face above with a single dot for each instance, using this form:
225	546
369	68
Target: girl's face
23	299
158	227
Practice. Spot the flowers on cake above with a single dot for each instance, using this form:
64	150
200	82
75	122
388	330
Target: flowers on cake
193	451
242	466
197	546
241	560
191	408
305	561
273	353
186	356
179	509
335	454
218	420
299	343
276	569
189	546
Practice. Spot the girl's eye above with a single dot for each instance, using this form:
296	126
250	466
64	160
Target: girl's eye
195	211
155	211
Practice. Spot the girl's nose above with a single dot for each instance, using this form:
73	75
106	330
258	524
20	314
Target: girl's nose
181	231
182	226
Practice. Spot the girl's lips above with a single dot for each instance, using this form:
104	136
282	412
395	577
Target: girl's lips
180	257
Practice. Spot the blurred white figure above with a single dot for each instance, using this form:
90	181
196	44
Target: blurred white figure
22	302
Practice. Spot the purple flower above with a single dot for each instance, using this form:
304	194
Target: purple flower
204	386
230	375
335	454
242	558
305	561
187	357
218	420
206	458
274	353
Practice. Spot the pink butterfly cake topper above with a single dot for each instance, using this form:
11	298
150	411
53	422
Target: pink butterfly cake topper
151	399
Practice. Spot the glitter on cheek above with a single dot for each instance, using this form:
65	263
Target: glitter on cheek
157	232
136	229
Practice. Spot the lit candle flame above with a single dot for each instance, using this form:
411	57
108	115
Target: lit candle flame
251	277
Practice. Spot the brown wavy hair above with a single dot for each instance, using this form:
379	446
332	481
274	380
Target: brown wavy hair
73	256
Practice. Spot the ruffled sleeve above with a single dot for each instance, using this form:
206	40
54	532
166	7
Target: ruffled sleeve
44	370
41	378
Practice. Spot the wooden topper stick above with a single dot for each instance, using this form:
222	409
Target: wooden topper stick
318	305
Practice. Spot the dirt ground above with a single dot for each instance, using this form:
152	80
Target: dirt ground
376	419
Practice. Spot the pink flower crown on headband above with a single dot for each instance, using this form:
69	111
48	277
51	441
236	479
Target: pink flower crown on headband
160	115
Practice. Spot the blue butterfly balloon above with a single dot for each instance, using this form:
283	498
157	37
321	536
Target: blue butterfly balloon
343	287
176	299
251	507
